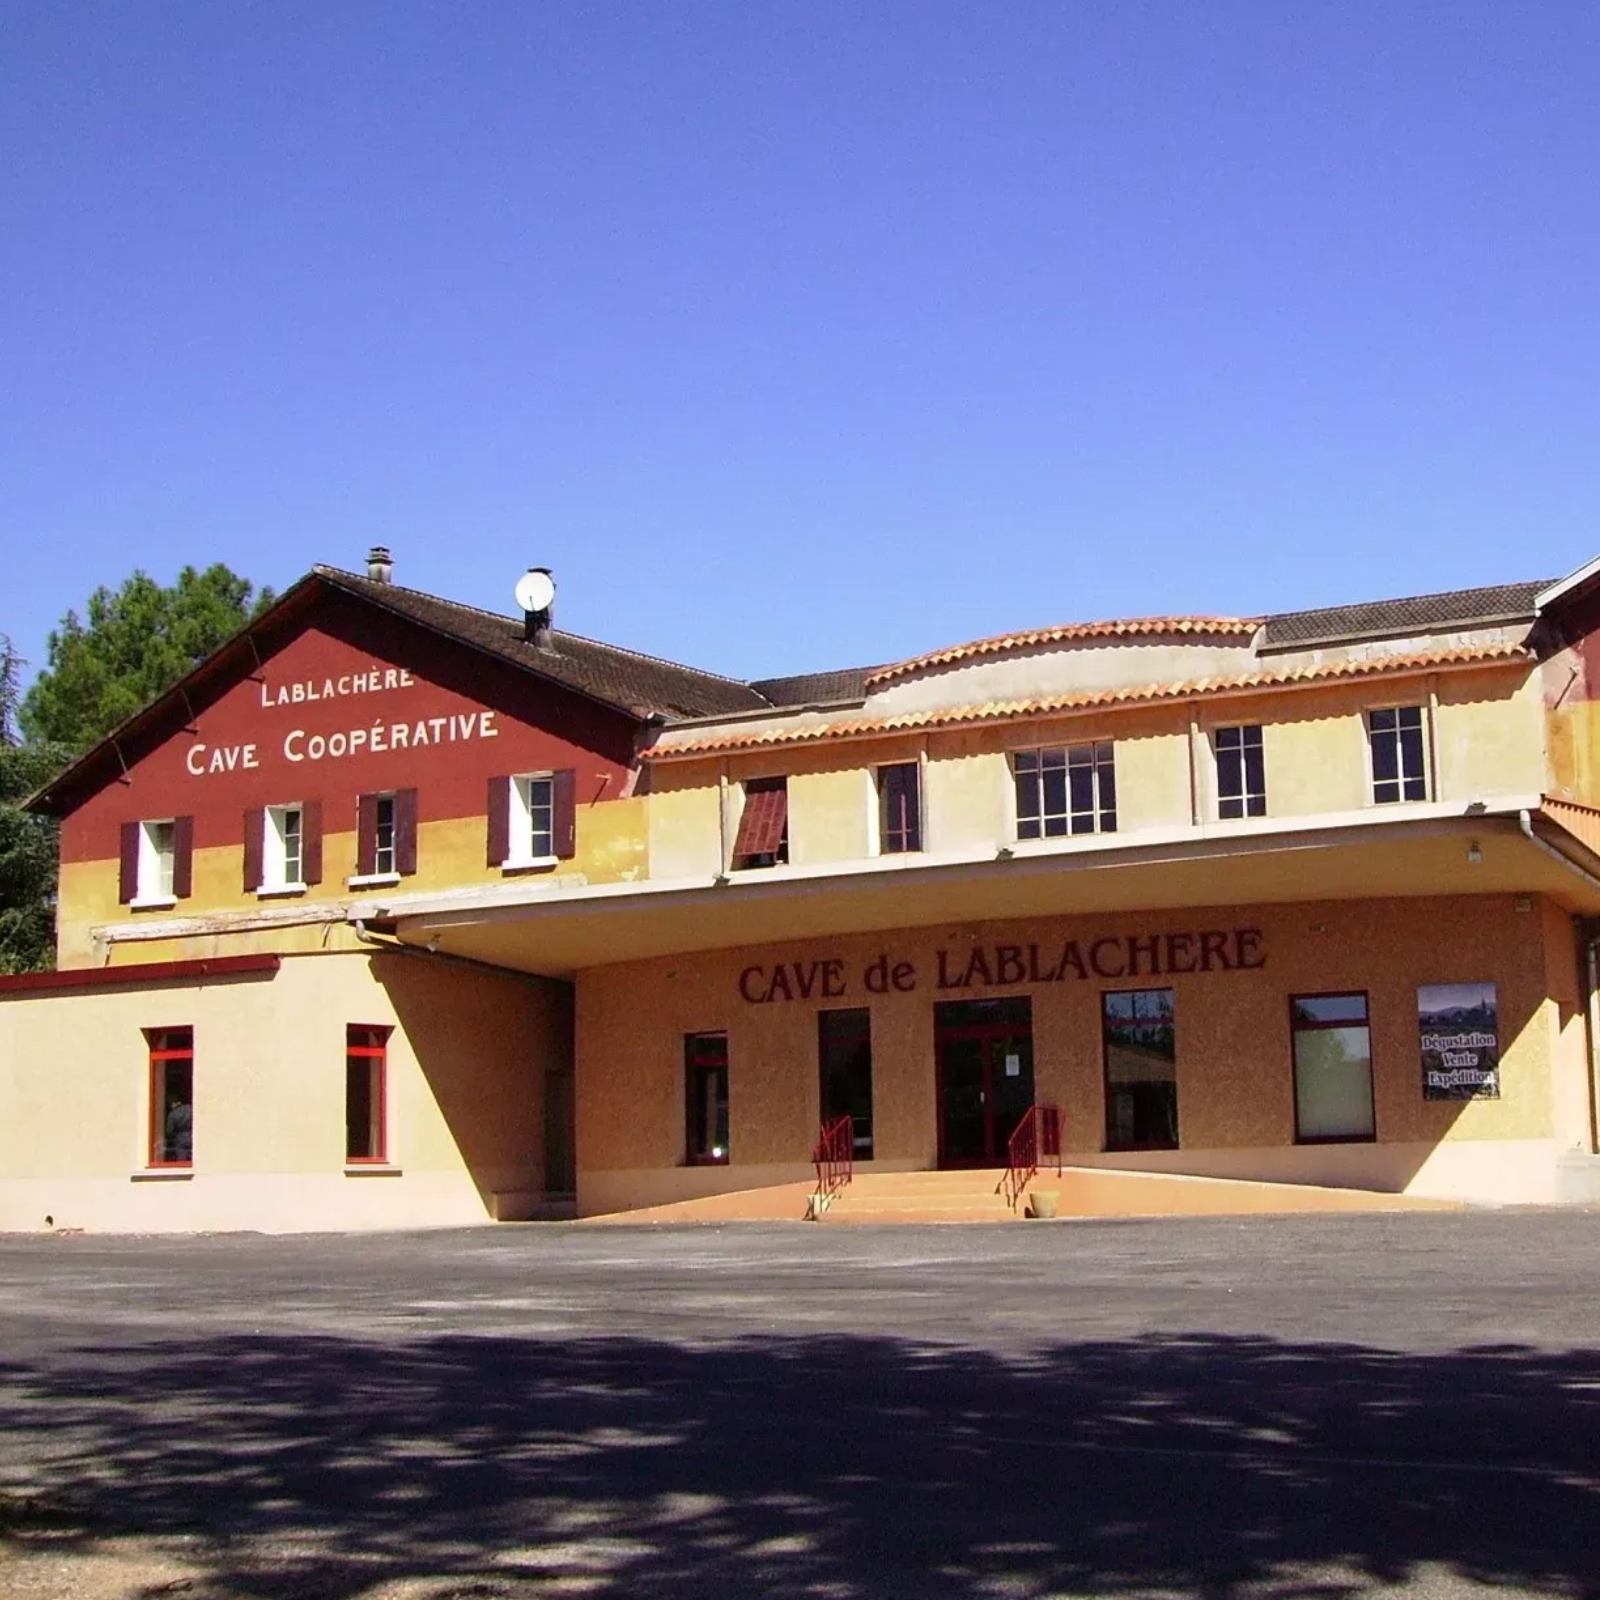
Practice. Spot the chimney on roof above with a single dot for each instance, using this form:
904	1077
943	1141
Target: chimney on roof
380	564
536	594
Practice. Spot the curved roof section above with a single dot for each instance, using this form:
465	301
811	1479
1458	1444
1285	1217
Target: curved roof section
779	738
1067	633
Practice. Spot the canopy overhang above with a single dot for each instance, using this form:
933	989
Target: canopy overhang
1510	847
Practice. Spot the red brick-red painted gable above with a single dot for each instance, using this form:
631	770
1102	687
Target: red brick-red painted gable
253	742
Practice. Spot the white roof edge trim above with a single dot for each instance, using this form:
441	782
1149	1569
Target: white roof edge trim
474	901
1573	580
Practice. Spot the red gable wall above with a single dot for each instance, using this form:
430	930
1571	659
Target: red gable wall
358	701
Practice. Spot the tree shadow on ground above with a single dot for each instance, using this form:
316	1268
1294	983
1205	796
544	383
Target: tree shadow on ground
848	1466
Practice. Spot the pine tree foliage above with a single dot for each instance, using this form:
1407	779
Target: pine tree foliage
132	644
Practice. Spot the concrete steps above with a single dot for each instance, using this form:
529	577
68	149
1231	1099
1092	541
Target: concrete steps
956	1196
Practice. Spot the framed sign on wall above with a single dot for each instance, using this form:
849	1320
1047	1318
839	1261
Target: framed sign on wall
1459	1024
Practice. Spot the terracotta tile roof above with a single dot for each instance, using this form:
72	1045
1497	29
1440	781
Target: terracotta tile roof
1423	613
641	685
1144	694
1066	633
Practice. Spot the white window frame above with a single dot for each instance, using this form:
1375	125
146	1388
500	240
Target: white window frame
1098	807
1421	708
1245	795
275	858
157	866
382	872
521	839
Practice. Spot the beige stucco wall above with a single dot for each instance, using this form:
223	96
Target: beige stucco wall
466	1068
1236	1107
1490	736
833	815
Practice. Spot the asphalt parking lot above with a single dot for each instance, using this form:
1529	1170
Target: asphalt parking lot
1308	1406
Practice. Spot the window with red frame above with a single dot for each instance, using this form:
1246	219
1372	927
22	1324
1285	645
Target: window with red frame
171	1096
366	1094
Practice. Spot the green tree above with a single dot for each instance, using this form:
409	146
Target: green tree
27	842
134	643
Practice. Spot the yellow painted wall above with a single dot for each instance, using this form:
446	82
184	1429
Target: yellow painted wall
685	828
1236	1102
611	847
1315	762
832	816
968	799
1490	736
466	1069
1153	781
1490	739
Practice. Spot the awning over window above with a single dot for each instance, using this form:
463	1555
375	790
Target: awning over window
766	812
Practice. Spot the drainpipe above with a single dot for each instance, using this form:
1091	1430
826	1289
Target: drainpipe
424	953
1591	975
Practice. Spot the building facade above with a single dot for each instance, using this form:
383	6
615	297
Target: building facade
398	912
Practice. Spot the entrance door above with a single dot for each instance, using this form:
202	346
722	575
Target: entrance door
984	1051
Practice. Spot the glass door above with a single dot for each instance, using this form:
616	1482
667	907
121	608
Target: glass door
984	1063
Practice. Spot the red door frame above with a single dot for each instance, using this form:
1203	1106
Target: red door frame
990	1033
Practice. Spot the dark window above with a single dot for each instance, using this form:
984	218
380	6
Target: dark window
1399	754
899	808
763	836
366	1094
1241	773
1065	790
383	835
706	1082
1141	1057
171	1096
1332	1067
844	1051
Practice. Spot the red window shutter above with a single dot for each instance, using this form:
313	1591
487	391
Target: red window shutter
499	815
128	880
405	831
366	835
255	838
311	841
564	812
766	811
182	857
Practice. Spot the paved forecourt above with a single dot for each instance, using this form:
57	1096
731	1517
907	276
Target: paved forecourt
1388	1403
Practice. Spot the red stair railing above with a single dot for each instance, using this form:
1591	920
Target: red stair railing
835	1155
1036	1141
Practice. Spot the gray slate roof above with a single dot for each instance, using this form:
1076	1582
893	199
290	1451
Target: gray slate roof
1423	613
643	685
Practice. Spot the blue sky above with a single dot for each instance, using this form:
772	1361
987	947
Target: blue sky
802	335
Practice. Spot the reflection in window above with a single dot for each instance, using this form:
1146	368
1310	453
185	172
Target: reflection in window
706	1093
365	1094
844	1051
171	1096
1141	1070
1332	1067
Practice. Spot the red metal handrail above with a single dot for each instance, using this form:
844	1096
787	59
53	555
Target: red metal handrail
1036	1139
835	1155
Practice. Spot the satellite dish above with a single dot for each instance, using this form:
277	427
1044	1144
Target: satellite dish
535	590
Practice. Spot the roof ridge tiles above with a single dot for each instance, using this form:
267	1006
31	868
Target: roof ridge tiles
1060	632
